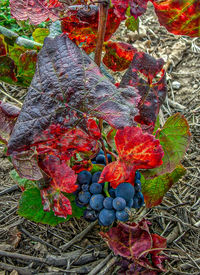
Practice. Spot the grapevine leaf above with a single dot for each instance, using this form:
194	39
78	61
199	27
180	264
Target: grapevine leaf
152	92
137	7
77	212
7	70
63	177
66	79
174	138
135	244
26	165
128	240
83	165
8	117
132	24
154	189
81	24
30	207
179	17
3	50
36	11
56	201
39	34
110	138
158	242
118	55
23	183
136	150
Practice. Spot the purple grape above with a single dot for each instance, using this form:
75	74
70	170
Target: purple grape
119	203
95	188
129	203
138	200
108	203
109	158
106	217
137	185
122	216
84	177
112	192
84	197
96	202
90	215
137	175
100	159
96	176
125	190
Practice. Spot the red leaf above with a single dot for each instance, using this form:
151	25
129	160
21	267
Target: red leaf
36	11
152	92
8	69
8	116
136	150
137	7
135	244
83	165
3	50
81	24
118	55
63	177
52	199
129	240
179	17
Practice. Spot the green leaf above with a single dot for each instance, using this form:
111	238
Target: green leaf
154	189
132	24
22	182
30	207
39	34
96	168
77	212
174	138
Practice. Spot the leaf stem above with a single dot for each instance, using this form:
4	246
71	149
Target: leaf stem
106	189
104	149
103	14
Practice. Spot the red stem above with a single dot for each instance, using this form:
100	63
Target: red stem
103	14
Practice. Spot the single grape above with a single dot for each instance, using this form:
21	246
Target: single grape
129	203
106	217
137	175
100	159
84	197
94	162
122	216
96	176
119	203
125	190
78	203
137	185
84	177
90	215
96	202
95	188
109	158
108	203
112	192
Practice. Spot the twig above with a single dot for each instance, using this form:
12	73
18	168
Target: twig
20	270
78	237
9	190
108	266
175	104
14	99
100	265
103	14
37	239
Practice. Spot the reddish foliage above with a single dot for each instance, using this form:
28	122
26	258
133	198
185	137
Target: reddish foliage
81	24
8	69
83	165
152	92
179	17
137	7
134	243
52	199
8	116
136	150
2	47
36	11
118	55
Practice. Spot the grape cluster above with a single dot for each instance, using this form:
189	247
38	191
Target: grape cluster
101	159
110	204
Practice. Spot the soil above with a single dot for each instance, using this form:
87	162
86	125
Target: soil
177	218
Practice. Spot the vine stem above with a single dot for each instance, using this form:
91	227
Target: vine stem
103	14
106	189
